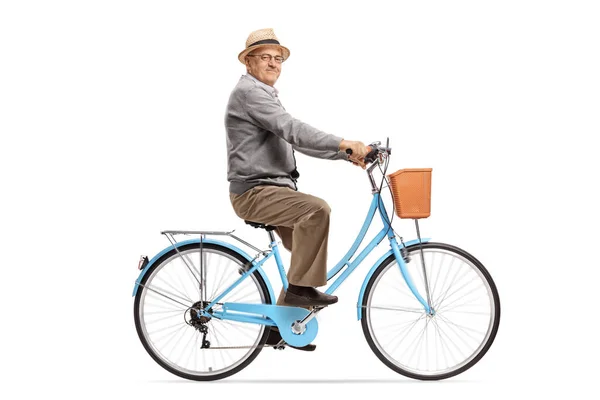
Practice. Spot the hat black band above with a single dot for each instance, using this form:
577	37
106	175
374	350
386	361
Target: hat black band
266	41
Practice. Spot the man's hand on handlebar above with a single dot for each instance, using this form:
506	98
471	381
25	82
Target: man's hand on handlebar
356	151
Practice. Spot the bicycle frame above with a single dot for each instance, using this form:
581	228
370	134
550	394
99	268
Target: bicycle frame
376	205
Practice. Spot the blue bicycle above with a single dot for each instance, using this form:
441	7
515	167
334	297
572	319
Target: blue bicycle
204	307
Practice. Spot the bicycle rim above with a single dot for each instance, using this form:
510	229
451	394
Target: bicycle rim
171	330
451	340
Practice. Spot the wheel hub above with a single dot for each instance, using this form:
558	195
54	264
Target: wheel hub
194	310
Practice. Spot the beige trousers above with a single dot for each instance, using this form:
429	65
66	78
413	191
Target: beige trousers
302	223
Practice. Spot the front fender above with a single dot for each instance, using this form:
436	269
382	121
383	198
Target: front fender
210	241
375	266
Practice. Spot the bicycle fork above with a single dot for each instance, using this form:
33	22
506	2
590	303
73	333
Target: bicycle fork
405	274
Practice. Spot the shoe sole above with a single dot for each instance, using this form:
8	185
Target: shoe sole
295	300
308	347
276	338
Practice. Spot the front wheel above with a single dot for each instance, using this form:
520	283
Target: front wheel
450	340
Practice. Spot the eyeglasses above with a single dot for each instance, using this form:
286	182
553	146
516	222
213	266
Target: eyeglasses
268	57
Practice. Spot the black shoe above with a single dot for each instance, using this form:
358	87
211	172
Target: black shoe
307	296
275	337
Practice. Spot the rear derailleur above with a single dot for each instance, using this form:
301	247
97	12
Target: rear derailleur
199	322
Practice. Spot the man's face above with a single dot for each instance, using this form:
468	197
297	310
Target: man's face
265	71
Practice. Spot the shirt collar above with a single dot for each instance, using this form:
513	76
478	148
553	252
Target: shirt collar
274	92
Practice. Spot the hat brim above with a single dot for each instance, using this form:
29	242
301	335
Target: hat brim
285	52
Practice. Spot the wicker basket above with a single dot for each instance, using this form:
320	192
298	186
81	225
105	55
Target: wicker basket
411	189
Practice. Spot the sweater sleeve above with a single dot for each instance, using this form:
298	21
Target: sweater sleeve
324	154
267	113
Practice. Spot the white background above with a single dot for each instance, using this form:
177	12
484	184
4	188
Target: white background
111	116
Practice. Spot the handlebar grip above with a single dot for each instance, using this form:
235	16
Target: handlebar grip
349	151
370	157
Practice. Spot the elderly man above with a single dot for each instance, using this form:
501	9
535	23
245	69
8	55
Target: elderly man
261	139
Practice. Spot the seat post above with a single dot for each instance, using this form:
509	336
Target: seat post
271	236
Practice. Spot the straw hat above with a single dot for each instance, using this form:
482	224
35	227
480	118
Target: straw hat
259	38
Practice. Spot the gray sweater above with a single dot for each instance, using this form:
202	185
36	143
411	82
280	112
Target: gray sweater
262	137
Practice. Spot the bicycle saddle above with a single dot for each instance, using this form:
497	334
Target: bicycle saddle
259	225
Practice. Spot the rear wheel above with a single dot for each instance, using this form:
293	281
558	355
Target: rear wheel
168	325
455	336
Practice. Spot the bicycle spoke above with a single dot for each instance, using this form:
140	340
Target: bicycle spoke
466	302
181	349
465	330
412	346
168	296
222	275
443	285
193	273
408	329
169	332
176	270
398	288
456	277
238	296
217	341
175	292
448	296
191	344
448	339
393	325
441	341
401	309
437	276
184	261
162	319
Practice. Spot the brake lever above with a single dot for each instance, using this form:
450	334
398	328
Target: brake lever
370	157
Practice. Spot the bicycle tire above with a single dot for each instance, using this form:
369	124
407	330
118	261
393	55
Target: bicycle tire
396	313
140	323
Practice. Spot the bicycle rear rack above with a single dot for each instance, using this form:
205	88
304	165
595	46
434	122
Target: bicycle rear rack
171	237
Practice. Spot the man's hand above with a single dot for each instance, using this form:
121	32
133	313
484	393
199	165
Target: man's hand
359	151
